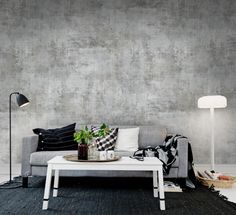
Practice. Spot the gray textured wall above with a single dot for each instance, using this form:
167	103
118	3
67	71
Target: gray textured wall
120	62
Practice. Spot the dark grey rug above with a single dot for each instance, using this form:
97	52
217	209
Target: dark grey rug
110	196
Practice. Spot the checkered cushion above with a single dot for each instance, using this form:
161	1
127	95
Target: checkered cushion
108	142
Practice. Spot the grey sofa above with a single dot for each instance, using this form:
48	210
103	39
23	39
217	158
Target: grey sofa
34	163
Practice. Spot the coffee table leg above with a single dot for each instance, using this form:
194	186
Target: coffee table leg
56	181
47	187
161	190
155	184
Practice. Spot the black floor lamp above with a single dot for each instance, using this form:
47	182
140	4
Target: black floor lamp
21	101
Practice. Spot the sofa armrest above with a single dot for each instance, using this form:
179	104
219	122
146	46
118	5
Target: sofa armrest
29	145
182	146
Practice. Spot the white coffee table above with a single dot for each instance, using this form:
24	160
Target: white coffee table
125	163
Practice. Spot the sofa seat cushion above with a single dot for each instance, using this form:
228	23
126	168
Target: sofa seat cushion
41	158
123	153
130	153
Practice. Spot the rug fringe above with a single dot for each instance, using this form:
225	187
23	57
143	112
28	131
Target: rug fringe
217	192
224	198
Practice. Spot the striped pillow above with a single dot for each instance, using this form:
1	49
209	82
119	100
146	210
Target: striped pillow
57	139
108	142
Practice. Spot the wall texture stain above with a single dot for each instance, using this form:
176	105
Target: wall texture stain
130	62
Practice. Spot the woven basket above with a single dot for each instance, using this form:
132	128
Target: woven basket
217	183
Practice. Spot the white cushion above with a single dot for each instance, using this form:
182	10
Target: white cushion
127	139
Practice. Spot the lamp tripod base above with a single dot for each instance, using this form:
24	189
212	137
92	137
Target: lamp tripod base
11	184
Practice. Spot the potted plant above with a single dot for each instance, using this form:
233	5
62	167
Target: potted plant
83	137
103	130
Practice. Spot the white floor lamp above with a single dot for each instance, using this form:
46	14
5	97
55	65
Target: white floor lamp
212	102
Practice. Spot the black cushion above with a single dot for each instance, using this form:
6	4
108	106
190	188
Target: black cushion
57	139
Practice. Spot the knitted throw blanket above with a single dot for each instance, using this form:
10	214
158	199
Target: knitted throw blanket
167	152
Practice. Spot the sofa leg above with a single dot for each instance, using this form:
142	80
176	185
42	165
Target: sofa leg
25	182
182	182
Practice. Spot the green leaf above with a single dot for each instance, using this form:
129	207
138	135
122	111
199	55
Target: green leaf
83	135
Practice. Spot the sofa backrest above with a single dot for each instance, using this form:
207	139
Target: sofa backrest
149	135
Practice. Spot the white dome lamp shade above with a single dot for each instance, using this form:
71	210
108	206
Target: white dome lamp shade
212	102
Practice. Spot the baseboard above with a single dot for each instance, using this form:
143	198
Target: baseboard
229	169
4	169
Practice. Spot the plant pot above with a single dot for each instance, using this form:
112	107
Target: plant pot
82	151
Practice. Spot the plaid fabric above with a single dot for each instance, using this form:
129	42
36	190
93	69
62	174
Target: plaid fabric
108	142
167	152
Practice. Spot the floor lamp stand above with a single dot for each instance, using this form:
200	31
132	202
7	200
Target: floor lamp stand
212	139
22	101
212	102
10	135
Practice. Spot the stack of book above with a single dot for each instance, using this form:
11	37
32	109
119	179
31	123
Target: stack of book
216	179
171	187
208	174
212	175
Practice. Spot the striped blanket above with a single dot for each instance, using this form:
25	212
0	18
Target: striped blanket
167	152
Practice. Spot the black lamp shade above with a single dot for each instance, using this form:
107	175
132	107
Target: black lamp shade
22	100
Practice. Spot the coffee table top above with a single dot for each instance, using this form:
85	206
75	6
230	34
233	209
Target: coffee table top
124	163
122	160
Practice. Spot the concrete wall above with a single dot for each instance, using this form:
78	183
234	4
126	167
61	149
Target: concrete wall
119	62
